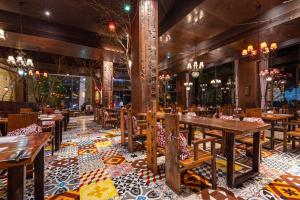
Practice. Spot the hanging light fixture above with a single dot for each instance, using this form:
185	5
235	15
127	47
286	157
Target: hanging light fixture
2	34
270	74
22	64
215	82
164	78
196	68
112	26
188	85
262	47
203	86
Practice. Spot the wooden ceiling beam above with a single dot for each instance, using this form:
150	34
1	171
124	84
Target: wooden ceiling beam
180	9
32	26
277	16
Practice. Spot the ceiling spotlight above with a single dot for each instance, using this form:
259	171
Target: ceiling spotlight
47	13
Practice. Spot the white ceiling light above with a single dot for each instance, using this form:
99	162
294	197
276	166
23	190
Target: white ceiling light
2	34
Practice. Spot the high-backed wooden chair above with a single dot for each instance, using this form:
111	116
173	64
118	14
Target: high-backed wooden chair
253	112
133	131
16	121
109	118
175	166
48	111
25	110
123	126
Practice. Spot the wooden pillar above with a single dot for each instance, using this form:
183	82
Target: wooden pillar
107	83
236	80
145	57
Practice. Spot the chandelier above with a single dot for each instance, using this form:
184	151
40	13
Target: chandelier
215	82
2	34
196	68
22	64
263	49
203	86
270	74
225	89
164	78
230	83
188	85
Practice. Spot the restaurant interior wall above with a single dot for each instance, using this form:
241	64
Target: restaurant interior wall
248	87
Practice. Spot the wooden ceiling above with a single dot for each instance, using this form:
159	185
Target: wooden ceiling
224	28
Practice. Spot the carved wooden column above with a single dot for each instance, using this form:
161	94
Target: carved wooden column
145	57
107	88
236	80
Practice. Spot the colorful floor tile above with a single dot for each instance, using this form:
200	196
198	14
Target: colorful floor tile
92	164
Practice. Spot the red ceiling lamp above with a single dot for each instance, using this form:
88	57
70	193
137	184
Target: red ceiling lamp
111	26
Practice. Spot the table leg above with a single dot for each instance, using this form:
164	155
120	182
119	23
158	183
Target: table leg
190	134
272	135
39	176
65	123
57	139
256	152
230	155
16	182
284	138
60	130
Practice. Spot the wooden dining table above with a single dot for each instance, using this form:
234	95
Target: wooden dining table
15	153
273	119
232	130
58	119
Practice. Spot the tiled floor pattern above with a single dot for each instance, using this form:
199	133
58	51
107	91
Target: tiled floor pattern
92	164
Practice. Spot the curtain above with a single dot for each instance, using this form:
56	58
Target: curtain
263	65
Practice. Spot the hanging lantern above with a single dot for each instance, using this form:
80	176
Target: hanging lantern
45	74
111	26
37	73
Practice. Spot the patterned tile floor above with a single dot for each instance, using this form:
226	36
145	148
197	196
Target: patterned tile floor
92	164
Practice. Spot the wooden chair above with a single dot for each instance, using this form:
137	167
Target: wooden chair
293	135
109	118
123	126
253	112
133	132
16	121
247	142
48	111
174	166
25	110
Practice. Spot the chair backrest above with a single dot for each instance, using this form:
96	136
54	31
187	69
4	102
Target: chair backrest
31	118
253	112
48	110
16	121
25	110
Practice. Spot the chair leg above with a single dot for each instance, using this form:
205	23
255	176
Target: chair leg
293	142
52	146
204	144
213	174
